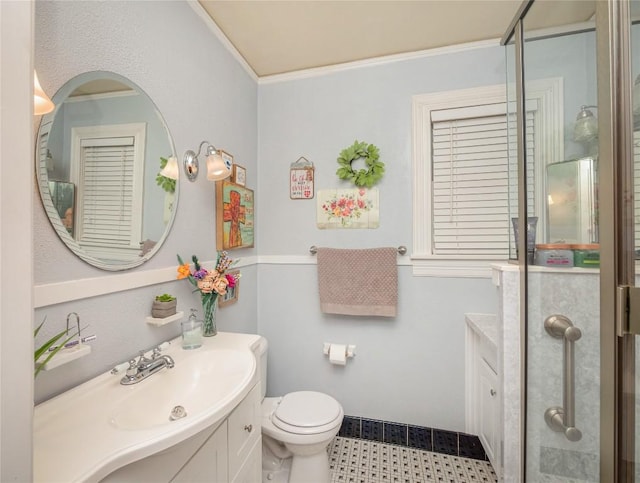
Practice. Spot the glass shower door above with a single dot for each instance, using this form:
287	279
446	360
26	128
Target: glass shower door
579	325
558	182
563	306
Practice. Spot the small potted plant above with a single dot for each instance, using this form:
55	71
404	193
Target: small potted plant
164	306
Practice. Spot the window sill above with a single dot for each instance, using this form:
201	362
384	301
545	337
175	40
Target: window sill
453	268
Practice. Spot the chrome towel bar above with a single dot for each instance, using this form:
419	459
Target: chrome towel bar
401	249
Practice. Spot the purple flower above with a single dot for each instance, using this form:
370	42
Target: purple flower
200	274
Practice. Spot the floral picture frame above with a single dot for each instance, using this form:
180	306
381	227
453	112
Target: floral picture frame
348	208
231	297
239	175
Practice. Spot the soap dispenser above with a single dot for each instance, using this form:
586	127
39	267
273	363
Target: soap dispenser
192	332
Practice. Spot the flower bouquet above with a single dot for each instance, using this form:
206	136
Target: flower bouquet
210	284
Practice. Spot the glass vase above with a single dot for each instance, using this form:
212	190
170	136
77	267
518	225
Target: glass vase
209	309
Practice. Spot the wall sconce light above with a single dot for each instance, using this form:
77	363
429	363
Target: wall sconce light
586	127
171	169
216	168
41	102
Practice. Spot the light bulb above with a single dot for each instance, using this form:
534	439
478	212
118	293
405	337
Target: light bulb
171	169
216	168
41	102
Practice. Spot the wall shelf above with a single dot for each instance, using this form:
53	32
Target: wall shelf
166	320
65	356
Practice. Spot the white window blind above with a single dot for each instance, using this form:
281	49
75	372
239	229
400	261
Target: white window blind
465	187
107	185
470	180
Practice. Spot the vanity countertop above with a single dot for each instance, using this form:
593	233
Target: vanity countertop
88	432
485	325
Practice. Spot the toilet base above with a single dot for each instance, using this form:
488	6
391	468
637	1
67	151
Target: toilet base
280	466
276	461
311	468
279	475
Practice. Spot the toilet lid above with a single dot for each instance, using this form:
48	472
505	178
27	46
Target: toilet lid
306	409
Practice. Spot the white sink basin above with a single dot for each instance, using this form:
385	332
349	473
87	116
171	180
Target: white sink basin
196	383
95	428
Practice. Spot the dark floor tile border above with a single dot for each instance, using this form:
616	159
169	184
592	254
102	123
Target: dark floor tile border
418	437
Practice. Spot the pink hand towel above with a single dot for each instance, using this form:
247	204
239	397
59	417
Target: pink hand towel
358	281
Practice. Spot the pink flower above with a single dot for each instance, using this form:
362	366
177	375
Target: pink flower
231	280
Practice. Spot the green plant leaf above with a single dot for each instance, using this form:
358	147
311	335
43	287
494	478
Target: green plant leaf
362	177
55	340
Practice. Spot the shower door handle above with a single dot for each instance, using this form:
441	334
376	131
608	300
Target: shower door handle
562	419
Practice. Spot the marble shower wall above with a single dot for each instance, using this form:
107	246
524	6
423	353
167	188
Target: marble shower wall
550	456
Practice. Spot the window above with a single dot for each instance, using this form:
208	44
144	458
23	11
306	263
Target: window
463	188
107	170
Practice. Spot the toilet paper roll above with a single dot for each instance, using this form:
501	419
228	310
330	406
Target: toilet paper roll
338	354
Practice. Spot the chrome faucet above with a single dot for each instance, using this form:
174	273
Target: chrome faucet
144	367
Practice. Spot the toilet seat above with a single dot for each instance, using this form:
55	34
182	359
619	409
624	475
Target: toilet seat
307	412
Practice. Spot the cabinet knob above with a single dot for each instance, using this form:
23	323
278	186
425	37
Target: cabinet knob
248	428
492	392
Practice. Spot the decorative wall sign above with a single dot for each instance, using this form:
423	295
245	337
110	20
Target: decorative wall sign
348	208
301	180
234	216
239	175
227	158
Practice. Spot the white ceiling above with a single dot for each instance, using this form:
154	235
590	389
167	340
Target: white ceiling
276	36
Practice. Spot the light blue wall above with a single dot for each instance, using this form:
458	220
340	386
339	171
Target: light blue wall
203	93
571	57
410	368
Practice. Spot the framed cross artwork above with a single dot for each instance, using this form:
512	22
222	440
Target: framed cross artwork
234	216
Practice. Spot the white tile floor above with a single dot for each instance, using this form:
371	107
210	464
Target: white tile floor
361	461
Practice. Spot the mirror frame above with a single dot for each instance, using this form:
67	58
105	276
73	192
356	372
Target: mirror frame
43	180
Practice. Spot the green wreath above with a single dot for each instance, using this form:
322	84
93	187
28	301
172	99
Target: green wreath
362	177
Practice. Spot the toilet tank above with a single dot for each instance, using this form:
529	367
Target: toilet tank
261	360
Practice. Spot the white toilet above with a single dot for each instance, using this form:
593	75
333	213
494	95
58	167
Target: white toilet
297	429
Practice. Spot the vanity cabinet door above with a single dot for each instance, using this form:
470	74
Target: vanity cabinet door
251	471
489	407
245	428
210	462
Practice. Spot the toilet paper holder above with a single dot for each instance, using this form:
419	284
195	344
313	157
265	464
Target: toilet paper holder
350	350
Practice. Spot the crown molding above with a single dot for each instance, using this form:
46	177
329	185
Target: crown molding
386	59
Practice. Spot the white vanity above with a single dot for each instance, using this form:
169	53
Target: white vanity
482	384
105	431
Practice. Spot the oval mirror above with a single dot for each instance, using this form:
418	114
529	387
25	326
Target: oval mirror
98	161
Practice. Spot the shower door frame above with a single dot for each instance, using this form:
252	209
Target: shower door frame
617	260
616	216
